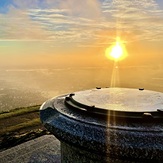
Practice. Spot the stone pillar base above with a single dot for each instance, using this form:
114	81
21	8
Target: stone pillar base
71	154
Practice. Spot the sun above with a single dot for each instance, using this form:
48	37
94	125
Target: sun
117	51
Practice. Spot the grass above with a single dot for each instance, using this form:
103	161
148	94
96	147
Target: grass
24	118
19	111
23	125
20	125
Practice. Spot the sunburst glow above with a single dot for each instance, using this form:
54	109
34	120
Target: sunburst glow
116	51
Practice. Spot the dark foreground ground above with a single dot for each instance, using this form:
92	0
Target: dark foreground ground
20	125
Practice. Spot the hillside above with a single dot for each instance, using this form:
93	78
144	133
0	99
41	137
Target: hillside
20	125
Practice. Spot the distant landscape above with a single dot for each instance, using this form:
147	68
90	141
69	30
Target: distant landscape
20	87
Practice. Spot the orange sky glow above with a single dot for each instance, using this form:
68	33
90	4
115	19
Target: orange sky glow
73	34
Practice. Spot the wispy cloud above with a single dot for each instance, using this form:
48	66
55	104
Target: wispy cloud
82	22
143	18
17	25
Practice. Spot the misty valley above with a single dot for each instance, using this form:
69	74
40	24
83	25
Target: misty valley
21	87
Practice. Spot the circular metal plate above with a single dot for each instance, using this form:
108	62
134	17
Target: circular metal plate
121	99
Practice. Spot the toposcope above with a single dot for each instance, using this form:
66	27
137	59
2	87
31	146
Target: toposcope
107	125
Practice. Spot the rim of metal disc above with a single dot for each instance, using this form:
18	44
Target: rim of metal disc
71	103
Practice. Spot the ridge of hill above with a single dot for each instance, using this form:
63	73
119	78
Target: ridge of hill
20	125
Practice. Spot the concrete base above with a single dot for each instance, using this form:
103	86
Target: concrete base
45	149
70	154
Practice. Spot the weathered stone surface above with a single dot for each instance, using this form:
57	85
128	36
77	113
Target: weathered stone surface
45	149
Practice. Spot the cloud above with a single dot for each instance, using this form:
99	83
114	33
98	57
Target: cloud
82	23
29	21
85	8
17	25
142	18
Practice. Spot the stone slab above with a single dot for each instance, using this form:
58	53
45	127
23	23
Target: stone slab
45	149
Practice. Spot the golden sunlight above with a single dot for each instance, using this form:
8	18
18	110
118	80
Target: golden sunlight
117	51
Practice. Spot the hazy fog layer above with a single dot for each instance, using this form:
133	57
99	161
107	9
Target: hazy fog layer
29	86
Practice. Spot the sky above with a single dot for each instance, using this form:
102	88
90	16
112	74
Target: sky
72	32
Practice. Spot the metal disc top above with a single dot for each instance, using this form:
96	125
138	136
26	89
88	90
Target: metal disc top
119	100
